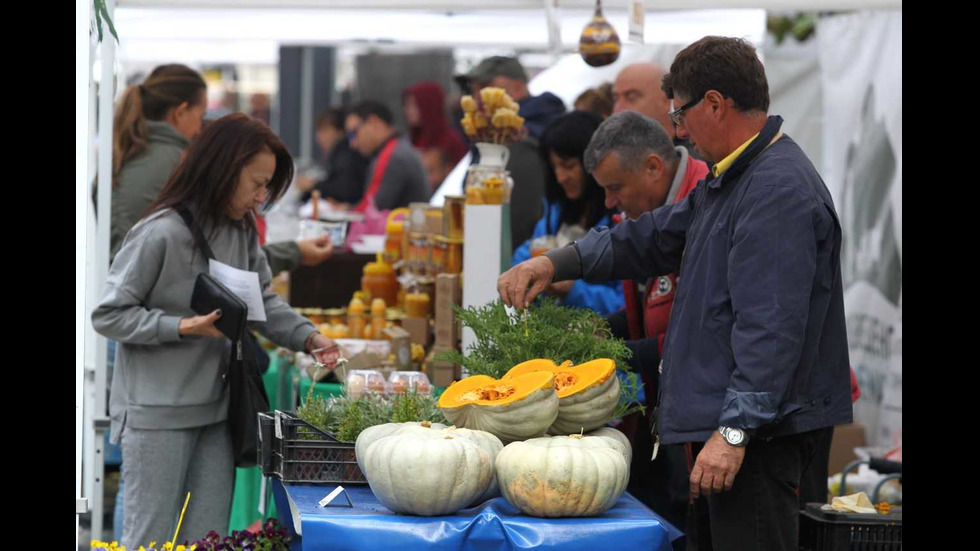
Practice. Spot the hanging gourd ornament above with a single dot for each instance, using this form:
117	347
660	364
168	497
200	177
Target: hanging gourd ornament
599	44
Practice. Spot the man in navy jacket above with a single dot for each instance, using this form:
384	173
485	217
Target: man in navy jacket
755	365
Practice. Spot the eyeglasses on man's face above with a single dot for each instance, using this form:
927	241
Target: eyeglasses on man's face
677	115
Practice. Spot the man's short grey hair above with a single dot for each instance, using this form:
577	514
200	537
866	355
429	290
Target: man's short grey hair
633	137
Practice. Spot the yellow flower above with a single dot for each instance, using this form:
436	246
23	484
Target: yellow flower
492	97
468	104
468	125
503	117
479	121
517	123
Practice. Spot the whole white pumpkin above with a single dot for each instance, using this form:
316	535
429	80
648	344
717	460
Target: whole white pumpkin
619	440
370	435
490	444
562	476
427	474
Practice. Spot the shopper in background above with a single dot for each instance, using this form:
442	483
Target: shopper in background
573	206
153	125
440	146
260	107
169	403
598	100
344	167
525	165
637	88
395	176
633	158
509	74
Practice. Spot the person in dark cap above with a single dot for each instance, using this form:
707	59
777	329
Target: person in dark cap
508	73
526	164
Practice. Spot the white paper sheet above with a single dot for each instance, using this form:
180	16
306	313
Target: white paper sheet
242	283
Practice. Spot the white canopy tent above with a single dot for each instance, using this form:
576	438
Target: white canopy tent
250	31
252	35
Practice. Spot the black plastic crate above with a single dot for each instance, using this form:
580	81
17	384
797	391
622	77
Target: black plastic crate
831	531
305	454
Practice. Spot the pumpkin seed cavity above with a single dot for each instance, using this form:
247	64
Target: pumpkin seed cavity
565	379
490	393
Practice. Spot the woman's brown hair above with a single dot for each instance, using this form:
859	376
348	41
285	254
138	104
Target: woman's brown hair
206	180
167	87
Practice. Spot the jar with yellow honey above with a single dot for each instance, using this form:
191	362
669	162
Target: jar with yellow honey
379	281
394	236
356	318
378	322
450	254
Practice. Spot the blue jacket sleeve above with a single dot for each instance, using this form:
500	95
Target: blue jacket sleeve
604	298
649	246
524	251
771	266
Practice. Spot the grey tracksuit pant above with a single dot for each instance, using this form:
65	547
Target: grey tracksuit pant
160	467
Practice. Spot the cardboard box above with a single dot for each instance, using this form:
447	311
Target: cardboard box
448	294
846	438
418	329
401	346
442	374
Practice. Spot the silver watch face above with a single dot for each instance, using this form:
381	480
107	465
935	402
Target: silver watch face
734	436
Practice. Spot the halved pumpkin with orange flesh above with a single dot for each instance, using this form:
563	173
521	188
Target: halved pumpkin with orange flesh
587	393
516	409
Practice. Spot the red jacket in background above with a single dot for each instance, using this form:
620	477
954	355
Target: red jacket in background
660	290
434	130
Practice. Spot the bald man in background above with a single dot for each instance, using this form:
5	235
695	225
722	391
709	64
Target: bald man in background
637	88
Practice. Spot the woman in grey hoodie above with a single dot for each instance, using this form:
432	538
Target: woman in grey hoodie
168	403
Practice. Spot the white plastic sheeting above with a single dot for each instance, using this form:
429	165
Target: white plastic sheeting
861	58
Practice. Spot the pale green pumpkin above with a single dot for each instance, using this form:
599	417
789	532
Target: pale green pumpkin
427	474
370	435
562	476
619	440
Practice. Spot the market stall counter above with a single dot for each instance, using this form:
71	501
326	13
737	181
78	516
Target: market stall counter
494	524
330	284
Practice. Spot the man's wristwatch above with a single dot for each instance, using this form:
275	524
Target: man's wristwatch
734	437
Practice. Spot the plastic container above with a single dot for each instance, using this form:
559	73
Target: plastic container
362	381
400	382
829	531
452	216
450	254
542	244
305	454
378	321
419	255
356	318
335	315
394	236
379	281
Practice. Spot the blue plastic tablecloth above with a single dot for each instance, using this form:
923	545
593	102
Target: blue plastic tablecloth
494	524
